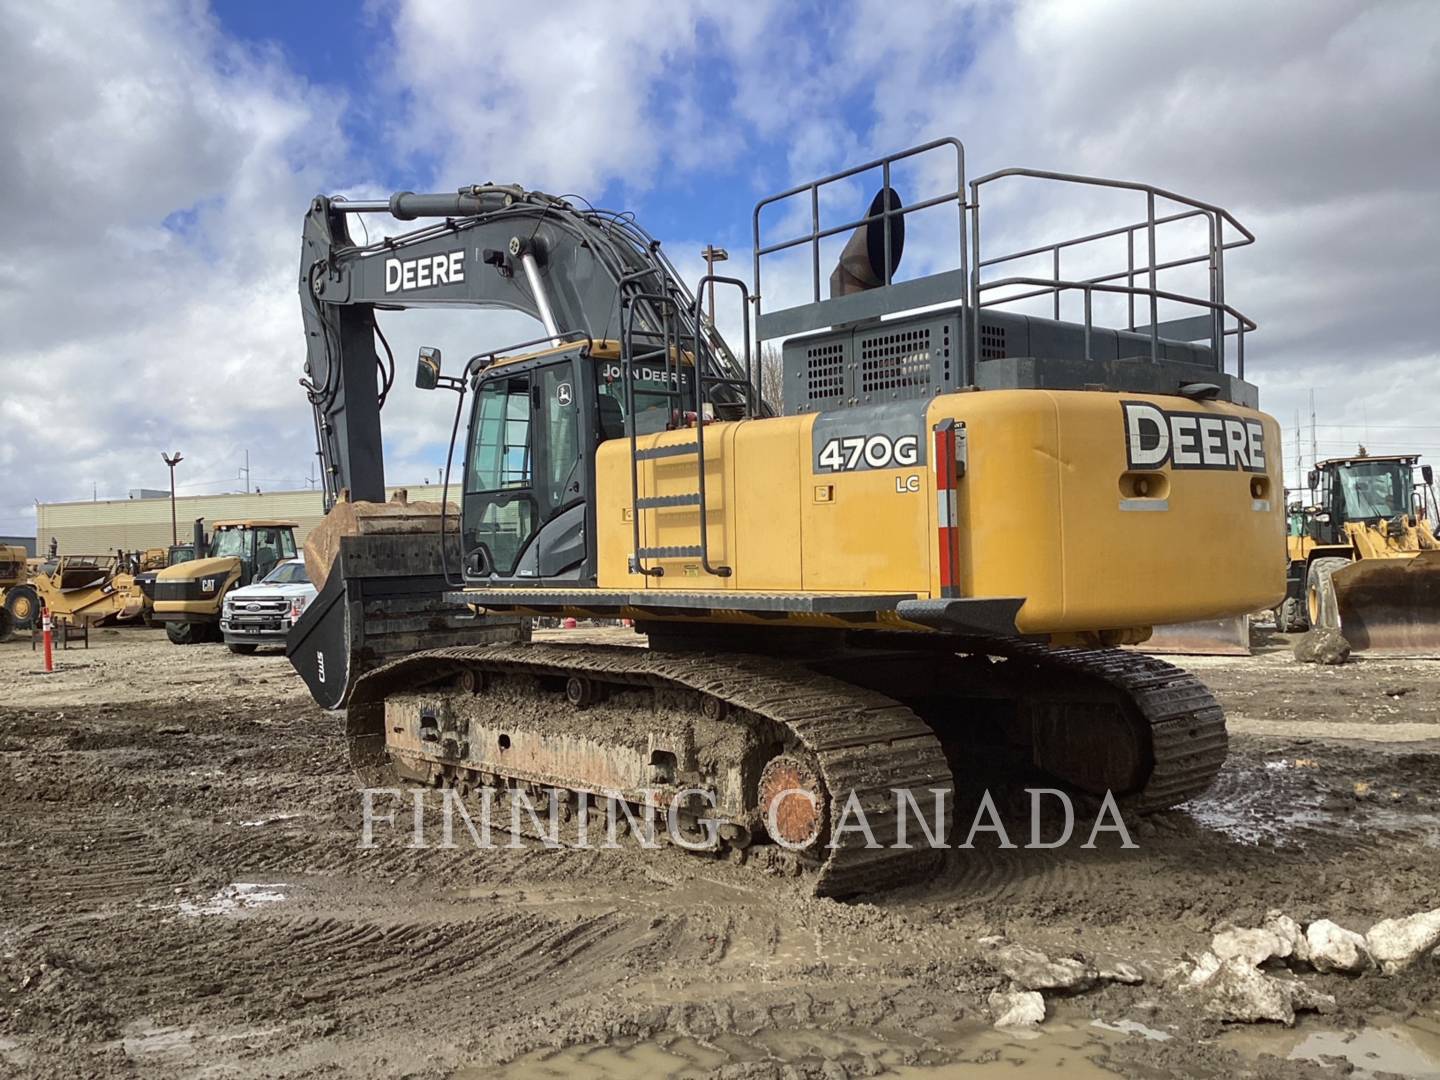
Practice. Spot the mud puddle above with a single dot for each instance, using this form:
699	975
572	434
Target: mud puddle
1410	1049
1073	1048
1290	801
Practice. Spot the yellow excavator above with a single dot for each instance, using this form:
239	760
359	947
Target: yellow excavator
921	560
1363	558
188	595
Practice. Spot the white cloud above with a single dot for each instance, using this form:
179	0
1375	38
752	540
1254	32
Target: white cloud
1315	123
125	335
156	173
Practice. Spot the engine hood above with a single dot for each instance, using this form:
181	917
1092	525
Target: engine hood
262	591
200	568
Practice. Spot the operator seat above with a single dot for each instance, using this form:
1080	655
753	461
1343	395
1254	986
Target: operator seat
612	418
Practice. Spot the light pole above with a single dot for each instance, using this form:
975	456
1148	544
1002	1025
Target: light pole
172	461
712	255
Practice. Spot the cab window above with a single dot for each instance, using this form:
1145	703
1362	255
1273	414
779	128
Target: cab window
267	551
653	407
561	457
500	513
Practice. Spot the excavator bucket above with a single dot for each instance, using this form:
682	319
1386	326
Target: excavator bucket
382	577
1207	637
1391	607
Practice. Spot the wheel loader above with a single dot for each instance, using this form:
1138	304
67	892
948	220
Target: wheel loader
18	603
1363	557
189	594
921	560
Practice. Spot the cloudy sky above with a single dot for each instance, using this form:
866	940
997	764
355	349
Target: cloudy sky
159	157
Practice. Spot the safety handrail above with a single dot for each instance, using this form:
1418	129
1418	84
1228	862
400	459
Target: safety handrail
1244	323
1216	218
1140	274
887	215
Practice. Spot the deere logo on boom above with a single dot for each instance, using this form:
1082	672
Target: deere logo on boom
447	268
1191	440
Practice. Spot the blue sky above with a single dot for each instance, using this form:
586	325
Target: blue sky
199	133
339	45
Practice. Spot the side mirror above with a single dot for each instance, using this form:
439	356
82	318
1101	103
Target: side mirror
1314	479
427	368
1428	473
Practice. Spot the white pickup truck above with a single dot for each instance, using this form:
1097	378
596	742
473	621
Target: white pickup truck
262	613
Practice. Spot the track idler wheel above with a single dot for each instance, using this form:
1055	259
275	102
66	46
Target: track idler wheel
792	802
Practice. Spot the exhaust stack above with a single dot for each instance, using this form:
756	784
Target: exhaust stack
862	264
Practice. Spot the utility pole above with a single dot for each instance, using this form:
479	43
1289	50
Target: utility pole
1314	445
713	255
1299	455
246	471
172	461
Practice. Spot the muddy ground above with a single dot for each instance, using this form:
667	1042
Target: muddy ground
182	894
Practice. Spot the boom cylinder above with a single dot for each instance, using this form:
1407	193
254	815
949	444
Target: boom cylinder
407	205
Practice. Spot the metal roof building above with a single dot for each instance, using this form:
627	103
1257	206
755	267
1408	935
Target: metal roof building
27	542
97	527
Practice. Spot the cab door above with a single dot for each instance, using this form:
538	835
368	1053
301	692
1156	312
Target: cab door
527	481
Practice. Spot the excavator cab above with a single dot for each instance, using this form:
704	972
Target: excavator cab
535	418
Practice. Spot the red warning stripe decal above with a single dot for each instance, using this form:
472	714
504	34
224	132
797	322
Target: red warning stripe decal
946	520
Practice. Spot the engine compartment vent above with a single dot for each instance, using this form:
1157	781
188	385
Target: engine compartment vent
825	370
992	342
899	360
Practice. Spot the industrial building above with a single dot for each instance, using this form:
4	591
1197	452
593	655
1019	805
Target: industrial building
26	542
100	526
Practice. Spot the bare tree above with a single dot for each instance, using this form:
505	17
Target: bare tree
772	377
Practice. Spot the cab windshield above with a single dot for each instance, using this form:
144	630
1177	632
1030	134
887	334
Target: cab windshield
290	573
230	543
1375	489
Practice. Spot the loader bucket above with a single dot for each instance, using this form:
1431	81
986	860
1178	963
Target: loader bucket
1391	607
1206	637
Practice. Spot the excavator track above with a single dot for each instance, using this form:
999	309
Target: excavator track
861	743
1184	723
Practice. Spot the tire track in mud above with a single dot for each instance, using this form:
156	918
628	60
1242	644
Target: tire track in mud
82	866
